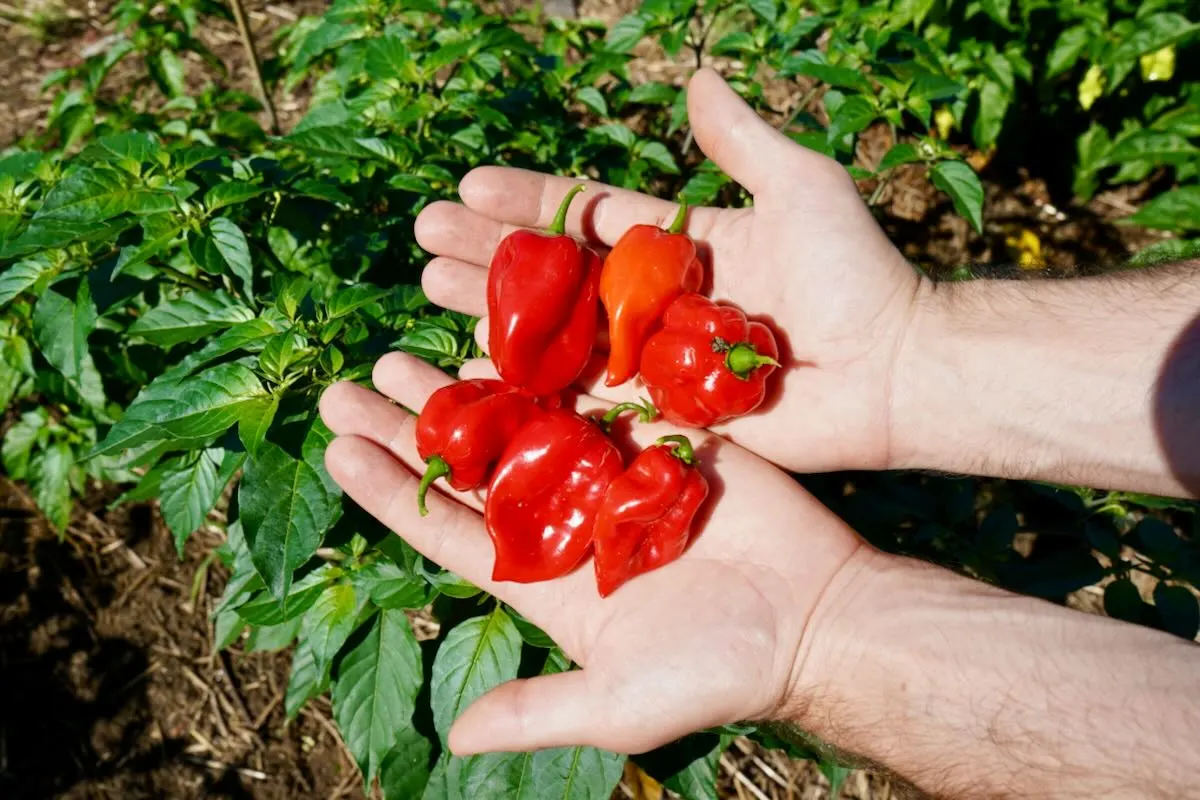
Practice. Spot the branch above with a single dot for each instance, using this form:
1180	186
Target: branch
239	14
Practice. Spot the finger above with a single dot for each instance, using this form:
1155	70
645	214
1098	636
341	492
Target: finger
451	229
456	285
451	536
408	380
600	215
733	135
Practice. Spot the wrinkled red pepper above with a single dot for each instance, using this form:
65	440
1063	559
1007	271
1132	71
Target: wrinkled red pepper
544	494
646	518
647	268
542	306
707	364
464	428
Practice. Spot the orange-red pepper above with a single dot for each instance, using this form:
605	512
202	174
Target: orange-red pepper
542	306
646	518
647	268
463	429
707	363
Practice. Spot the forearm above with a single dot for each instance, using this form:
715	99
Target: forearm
1091	381
970	691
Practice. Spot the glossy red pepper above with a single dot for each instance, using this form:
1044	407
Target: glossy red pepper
646	518
542	306
647	268
463	430
707	364
543	497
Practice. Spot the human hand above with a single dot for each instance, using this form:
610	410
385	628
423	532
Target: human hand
712	638
808	257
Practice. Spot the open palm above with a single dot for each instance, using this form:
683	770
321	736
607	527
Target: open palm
709	639
807	257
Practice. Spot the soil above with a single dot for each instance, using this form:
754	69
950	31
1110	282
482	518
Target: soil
109	686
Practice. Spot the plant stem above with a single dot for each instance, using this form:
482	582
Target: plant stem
684	450
559	225
185	279
436	467
239	15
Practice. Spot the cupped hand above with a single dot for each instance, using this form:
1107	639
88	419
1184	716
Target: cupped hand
808	258
711	638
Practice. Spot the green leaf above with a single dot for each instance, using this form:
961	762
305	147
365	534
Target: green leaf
269	638
1178	210
1154	147
1122	601
477	656
189	318
959	181
993	105
615	133
1067	49
265	609
734	43
21	277
852	116
332	140
1092	147
172	72
227	628
305	681
189	489
998	10
389	586
625	33
843	77
132	147
48	477
375	689
286	509
387	58
703	187
231	193
591	97
329	623
1178	612
902	153
61	328
255	421
404	773
767	9
19	441
431	342
936	87
232	245
658	155
836	774
95	194
1152	33
687	766
653	93
348	300
439	787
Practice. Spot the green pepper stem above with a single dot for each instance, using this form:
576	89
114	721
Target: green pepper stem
645	410
683	449
742	359
559	225
436	467
680	218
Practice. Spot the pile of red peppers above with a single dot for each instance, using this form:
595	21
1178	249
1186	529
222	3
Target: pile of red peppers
558	487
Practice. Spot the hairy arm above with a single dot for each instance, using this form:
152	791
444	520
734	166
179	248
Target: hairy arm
1088	381
970	691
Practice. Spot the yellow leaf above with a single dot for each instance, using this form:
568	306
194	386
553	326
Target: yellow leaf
644	787
1159	65
1028	249
1091	88
943	120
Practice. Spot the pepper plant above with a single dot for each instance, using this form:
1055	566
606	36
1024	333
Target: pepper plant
177	287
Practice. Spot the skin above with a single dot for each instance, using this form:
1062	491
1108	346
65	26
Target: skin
778	611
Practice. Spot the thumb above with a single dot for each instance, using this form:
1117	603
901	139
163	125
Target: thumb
741	142
561	710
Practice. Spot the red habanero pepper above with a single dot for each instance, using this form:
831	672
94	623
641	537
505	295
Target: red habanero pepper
707	364
542	306
647	268
463	430
543	497
646	517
